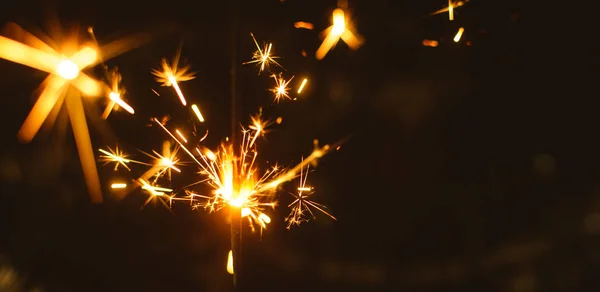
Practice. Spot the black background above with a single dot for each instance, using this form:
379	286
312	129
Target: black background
469	167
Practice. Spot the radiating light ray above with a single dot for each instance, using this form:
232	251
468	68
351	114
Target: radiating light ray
302	85
263	57
197	112
281	87
340	29
301	206
230	262
450	8
171	75
181	136
458	34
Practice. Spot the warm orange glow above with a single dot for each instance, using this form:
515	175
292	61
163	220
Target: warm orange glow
67	69
450	10
430	43
302	24
340	29
230	262
171	75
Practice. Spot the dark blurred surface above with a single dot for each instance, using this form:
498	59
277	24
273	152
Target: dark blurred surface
470	167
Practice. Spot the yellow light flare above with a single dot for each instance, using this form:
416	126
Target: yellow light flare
458	34
198	113
302	24
171	75
301	206
281	87
118	186
302	85
450	8
181	136
63	60
430	43
263	57
340	29
230	262
163	163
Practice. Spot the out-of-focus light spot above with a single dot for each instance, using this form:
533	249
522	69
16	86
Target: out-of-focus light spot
430	43
302	24
279	120
303	53
230	262
459	34
469	43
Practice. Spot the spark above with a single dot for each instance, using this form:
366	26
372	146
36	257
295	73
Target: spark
458	34
263	57
302	85
340	29
450	10
197	112
171	75
281	87
302	24
115	94
116	156
301	206
118	186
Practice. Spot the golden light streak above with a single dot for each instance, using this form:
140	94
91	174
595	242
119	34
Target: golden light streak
281	87
171	75
340	29
118	186
458	34
197	112
181	136
263	57
230	262
302	85
451	6
302	24
117	99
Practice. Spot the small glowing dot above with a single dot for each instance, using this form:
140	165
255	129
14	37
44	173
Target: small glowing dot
279	120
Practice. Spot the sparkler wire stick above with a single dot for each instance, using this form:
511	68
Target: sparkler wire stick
235	215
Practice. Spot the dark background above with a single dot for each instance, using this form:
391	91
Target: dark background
470	167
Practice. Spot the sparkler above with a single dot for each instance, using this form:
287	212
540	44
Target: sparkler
340	29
